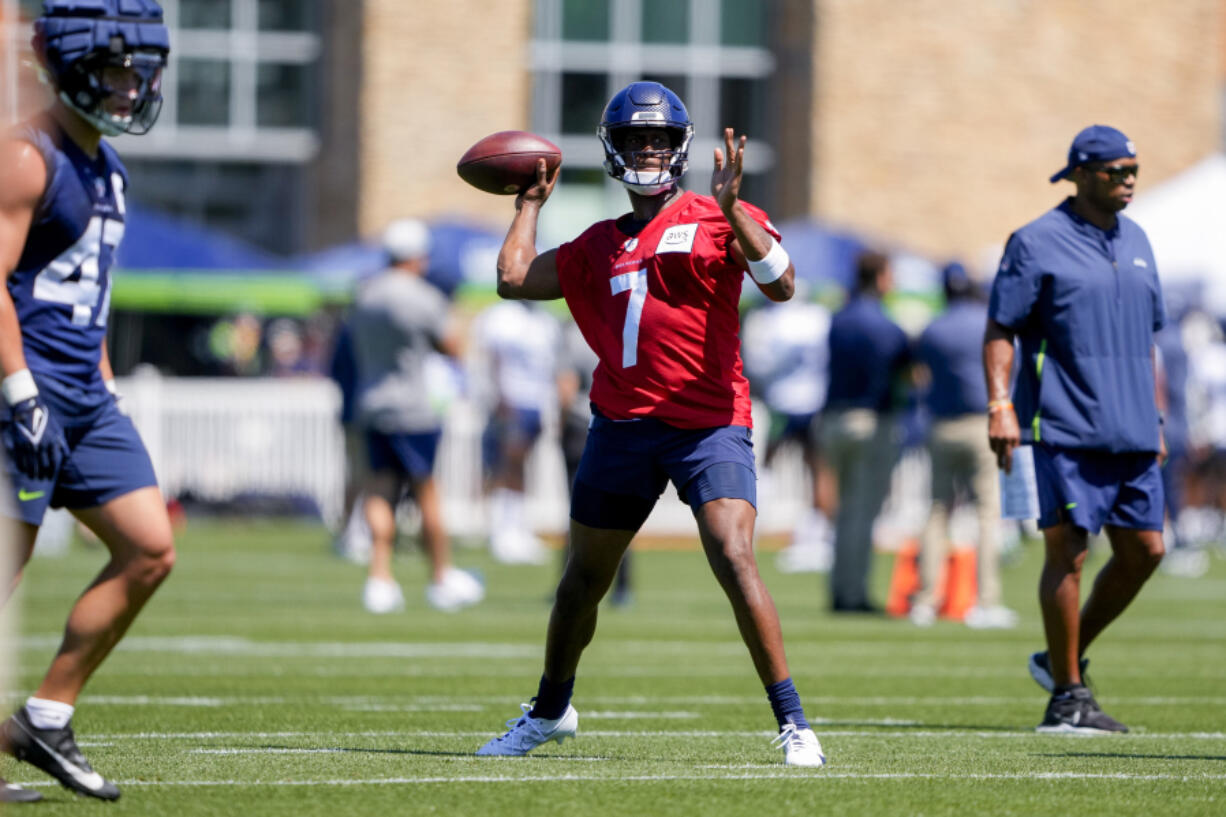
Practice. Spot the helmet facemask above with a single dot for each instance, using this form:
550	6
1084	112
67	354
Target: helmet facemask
623	164
115	91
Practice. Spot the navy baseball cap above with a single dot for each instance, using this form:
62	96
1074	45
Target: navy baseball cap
1097	143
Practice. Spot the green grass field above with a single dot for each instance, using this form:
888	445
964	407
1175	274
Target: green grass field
255	684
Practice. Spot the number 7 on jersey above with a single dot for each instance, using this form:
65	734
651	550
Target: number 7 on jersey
636	283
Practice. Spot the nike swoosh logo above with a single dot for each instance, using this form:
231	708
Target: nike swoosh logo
90	780
30	496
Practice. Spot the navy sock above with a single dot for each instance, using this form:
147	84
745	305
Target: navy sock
785	703
552	699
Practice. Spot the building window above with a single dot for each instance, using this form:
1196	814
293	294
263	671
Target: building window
240	83
713	53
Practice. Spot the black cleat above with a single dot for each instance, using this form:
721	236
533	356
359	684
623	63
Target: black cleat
1075	712
12	793
1040	670
55	752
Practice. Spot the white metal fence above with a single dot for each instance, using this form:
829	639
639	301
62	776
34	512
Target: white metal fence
221	439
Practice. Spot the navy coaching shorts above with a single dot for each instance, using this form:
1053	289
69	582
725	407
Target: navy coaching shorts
410	455
1093	488
627	465
106	459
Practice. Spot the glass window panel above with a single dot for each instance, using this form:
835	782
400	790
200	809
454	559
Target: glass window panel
285	98
742	106
288	15
666	21
577	176
204	91
204	14
583	100
742	22
585	20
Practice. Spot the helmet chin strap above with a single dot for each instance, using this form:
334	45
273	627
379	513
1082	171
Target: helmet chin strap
648	184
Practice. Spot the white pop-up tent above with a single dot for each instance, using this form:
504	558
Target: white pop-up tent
1185	219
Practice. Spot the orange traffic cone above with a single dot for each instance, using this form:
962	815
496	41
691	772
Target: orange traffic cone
961	587
905	580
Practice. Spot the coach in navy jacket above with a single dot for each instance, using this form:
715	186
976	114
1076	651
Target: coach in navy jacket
1079	289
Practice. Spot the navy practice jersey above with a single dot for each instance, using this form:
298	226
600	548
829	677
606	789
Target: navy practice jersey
62	285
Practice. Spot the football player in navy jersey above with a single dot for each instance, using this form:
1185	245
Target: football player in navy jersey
67	442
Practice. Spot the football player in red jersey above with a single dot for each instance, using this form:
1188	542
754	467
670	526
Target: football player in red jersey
655	295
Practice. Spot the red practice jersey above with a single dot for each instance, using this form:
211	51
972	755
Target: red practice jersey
660	311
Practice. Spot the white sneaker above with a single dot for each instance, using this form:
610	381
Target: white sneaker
996	617
457	589
813	556
517	548
923	615
381	596
800	747
526	733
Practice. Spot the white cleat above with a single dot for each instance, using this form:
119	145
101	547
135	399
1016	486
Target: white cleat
457	589
526	733
990	618
800	747
382	596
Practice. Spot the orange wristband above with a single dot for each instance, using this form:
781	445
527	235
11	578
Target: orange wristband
999	405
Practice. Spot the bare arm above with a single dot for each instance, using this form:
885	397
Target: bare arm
752	242
1004	433
522	274
25	178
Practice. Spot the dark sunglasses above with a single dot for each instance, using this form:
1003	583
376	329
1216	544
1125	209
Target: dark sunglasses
1118	173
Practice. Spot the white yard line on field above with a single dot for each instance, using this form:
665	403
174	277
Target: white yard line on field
771	774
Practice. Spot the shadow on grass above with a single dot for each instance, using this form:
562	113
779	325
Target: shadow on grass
1133	756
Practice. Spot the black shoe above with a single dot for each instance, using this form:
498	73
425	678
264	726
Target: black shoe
1074	711
55	752
12	793
1040	670
863	607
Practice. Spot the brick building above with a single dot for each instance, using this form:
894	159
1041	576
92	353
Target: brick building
930	124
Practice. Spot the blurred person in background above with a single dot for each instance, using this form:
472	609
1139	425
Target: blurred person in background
1204	520
353	540
68	443
517	349
1078	287
575	394
1183	557
398	320
962	462
870	359
786	348
655	293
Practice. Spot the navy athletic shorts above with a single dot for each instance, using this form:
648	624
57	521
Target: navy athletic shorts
106	459
1093	488
406	454
627	464
509	426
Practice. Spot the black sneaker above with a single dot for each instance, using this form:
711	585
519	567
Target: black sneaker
55	752
1074	711
12	793
1040	670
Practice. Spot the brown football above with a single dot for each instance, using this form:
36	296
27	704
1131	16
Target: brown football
505	162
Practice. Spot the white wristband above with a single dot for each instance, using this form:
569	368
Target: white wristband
19	386
771	266
110	386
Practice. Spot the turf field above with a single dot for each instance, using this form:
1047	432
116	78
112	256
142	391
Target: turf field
254	684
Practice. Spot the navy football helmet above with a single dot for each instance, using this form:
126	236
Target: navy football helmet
105	59
645	105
